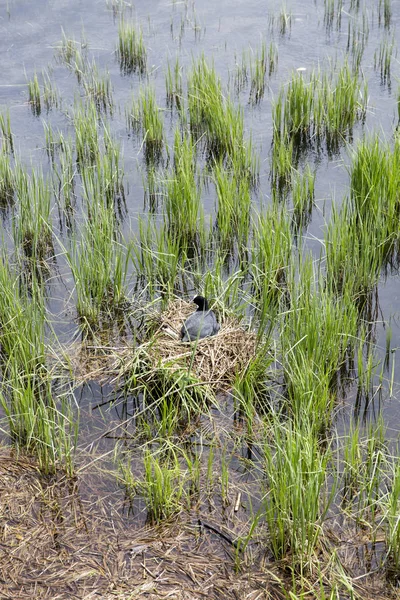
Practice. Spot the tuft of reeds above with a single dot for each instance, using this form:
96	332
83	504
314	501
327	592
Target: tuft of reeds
183	209
143	115
98	88
131	51
50	93
32	228
34	96
258	70
7	182
296	499
37	422
7	145
86	132
383	59
74	55
322	107
173	85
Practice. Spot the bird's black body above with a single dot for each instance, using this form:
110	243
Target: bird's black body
201	323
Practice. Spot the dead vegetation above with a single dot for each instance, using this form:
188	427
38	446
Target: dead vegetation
214	360
58	543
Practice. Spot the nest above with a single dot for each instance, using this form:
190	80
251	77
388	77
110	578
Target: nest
215	360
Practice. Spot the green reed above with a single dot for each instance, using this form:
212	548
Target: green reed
86	132
325	106
303	187
383	59
183	209
317	329
98	88
296	499
34	95
258	70
7	181
157	255
233	206
385	13
164	485
32	227
7	145
51	98
97	256
37	421
173	84
74	55
131	50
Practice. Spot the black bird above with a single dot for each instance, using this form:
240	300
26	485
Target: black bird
201	323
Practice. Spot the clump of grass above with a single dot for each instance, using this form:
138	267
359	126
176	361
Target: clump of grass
173	84
383	60
392	529
144	115
50	93
233	208
65	175
98	88
241	71
284	21
99	265
258	69
34	95
157	255
73	55
7	182
164	485
303	185
6	133
184	214
282	164
86	132
332	11
325	106
357	38
32	228
296	500
314	348
36	423
131	51
218	120
271	250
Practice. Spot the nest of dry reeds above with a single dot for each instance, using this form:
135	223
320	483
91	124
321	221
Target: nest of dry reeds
215	360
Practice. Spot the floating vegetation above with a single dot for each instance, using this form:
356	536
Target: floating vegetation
131	51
